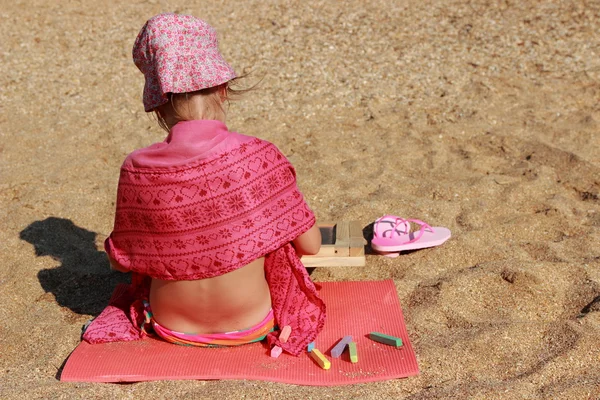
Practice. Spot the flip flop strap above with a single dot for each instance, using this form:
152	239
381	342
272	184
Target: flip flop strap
424	226
387	219
395	224
381	220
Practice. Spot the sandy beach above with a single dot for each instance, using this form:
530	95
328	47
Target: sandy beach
480	116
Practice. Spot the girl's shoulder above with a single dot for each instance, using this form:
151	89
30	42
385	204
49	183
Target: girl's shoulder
252	152
245	142
232	146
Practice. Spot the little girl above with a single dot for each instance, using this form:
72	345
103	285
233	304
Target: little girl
210	222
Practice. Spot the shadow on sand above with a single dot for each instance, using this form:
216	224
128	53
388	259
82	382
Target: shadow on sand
84	281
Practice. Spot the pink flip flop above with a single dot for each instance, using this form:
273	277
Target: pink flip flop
392	234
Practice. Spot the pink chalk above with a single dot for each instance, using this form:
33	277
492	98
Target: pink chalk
285	333
276	351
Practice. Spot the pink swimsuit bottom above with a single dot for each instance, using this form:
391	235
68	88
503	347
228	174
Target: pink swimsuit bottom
254	334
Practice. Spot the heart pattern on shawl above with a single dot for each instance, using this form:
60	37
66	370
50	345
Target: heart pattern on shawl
249	246
189	191
226	256
179	265
255	164
267	235
146	196
271	155
166	195
284	224
236	175
215	184
202	262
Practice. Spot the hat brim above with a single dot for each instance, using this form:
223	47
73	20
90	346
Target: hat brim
184	74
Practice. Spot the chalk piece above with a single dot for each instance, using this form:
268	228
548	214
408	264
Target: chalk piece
320	359
310	346
338	349
285	334
276	351
385	339
353	353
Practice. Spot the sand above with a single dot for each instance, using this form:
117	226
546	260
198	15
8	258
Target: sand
481	116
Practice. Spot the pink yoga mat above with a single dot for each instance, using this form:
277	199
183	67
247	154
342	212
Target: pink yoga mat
353	308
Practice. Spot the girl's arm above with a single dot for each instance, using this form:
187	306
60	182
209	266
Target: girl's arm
309	243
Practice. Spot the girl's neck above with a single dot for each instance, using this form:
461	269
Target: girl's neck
202	105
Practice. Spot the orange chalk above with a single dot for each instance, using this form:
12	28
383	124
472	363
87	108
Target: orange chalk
285	333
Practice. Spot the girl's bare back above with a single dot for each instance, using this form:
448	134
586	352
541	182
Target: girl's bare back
234	301
230	302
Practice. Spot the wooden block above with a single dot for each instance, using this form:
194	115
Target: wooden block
320	359
326	251
356	230
327	232
352	351
338	241
327	240
276	351
342	239
310	346
357	240
338	349
285	334
385	339
357	248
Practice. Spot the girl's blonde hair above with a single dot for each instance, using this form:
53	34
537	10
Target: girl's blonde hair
202	104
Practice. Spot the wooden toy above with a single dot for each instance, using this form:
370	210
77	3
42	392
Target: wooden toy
276	351
338	349
342	245
310	346
352	351
385	339
320	359
285	334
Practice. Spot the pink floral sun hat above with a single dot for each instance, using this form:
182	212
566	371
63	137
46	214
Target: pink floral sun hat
178	54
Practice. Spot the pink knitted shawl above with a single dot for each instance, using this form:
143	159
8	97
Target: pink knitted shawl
202	203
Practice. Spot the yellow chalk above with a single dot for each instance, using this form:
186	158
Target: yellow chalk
320	359
353	353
